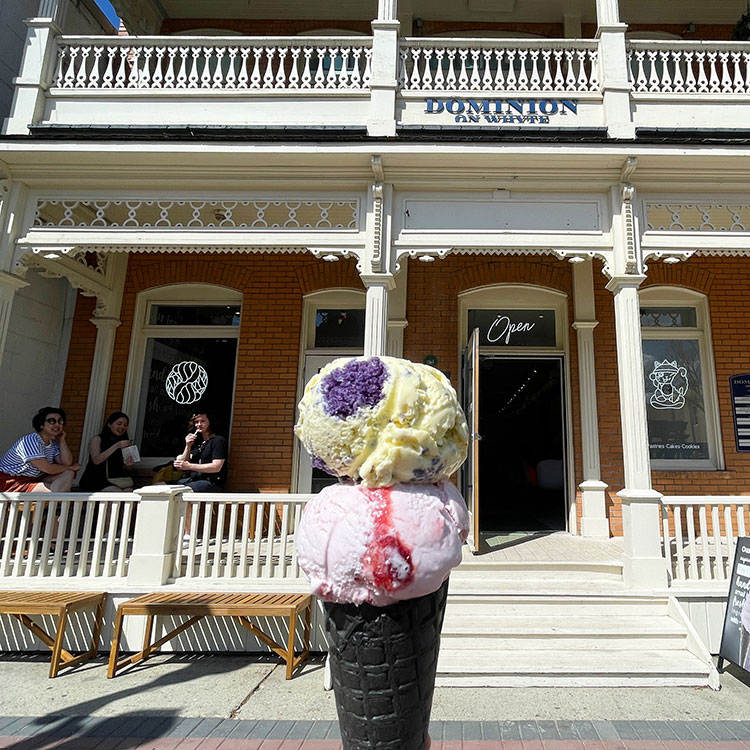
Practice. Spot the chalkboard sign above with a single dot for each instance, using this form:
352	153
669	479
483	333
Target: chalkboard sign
735	638
740	385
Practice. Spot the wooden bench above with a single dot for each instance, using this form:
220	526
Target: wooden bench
199	605
23	604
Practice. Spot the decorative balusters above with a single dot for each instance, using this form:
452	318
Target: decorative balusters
243	537
169	64
699	539
51	535
434	65
682	68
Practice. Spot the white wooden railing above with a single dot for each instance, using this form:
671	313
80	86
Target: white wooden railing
699	536
219	64
687	68
65	535
242	536
499	65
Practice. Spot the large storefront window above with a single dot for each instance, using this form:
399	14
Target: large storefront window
678	373
182	360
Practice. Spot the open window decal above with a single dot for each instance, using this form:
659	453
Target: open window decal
671	385
186	382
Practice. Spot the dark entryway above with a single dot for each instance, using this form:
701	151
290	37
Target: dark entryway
522	446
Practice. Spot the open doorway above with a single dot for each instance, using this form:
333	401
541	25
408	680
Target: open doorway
522	447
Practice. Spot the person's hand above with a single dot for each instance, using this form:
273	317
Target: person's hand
190	438
124	444
129	461
180	464
74	467
60	437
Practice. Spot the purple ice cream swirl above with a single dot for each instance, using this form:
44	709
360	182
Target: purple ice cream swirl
359	383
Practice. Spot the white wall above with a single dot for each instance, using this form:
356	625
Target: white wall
79	18
36	351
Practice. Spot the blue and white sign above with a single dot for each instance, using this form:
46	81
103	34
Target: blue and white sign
740	385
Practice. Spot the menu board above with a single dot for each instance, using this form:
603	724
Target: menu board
735	638
740	385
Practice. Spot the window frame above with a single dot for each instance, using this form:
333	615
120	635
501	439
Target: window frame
185	294
669	297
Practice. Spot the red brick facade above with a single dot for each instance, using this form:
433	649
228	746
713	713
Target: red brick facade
273	287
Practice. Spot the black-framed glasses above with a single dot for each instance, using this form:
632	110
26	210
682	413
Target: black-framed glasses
54	420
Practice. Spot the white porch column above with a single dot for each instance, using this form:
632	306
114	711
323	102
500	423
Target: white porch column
157	535
37	67
381	121
106	319
9	285
616	86
101	364
643	561
594	522
397	321
376	313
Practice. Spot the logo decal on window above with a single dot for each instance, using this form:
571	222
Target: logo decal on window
187	382
671	385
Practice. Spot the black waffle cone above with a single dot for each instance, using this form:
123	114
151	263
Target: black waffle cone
383	662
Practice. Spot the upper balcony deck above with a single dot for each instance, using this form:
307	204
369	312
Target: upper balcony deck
384	85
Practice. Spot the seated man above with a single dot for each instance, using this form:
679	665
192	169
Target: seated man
40	461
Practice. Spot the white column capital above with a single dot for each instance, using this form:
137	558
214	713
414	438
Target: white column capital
11	282
103	323
584	325
384	280
624	281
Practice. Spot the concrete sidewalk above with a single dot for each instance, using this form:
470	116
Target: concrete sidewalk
241	702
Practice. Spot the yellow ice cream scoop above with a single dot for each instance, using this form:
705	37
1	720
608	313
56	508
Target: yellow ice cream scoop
383	420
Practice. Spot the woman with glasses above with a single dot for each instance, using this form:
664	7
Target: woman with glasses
40	461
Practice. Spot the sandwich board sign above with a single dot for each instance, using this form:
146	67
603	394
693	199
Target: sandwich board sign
735	638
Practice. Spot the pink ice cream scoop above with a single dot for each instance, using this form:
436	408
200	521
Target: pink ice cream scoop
378	546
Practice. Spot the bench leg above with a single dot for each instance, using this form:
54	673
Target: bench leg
62	621
147	637
290	645
112	667
98	616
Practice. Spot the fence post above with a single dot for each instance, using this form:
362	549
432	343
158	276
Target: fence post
157	538
643	563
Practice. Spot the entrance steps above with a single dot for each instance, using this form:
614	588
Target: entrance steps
573	624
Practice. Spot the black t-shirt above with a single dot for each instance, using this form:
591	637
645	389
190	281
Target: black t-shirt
204	453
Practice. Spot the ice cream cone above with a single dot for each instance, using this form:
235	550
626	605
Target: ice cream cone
383	662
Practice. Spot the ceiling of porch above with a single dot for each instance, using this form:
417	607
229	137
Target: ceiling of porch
690	19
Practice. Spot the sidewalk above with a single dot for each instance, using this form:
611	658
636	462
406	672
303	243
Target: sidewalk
236	702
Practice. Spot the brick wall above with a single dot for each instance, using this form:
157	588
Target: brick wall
273	286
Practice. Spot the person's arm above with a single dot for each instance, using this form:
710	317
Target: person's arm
189	440
98	456
214	467
47	468
65	457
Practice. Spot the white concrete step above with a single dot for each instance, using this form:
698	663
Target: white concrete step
541	569
529	667
553	605
548	632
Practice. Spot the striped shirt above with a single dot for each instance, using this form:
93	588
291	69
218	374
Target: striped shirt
16	460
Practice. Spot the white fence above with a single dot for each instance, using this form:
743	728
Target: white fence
71	535
507	65
686	68
699	536
234	537
220	64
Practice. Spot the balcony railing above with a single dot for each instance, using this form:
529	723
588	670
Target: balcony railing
499	65
699	536
216	64
689	67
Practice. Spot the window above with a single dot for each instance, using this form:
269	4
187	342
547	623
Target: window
182	359
679	378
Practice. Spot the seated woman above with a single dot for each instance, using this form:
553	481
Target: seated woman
204	458
40	461
106	470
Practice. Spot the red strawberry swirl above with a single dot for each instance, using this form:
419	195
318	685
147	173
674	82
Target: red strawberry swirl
387	560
